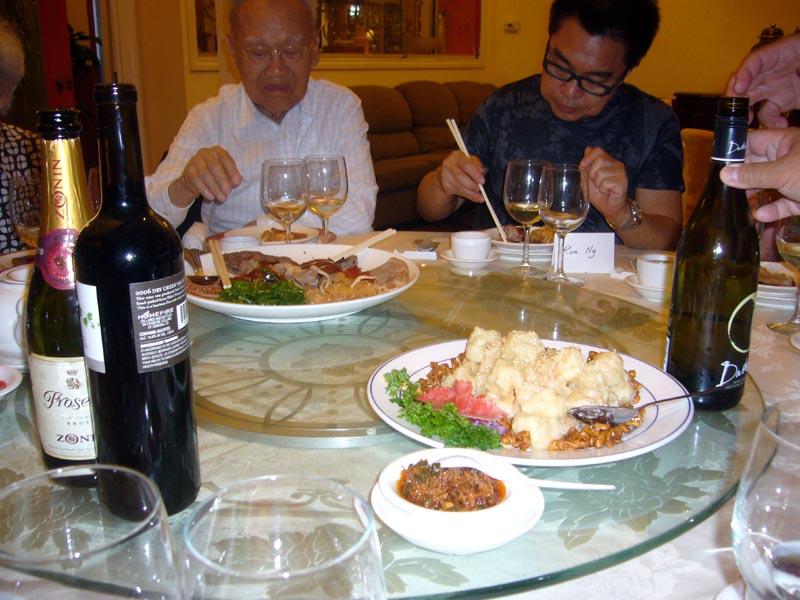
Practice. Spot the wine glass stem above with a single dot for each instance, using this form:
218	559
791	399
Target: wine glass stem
288	233
560	254
796	316
526	247
324	230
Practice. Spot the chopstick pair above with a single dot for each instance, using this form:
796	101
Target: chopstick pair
451	123
219	262
378	237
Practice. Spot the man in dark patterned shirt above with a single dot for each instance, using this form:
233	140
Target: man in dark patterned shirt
19	149
579	111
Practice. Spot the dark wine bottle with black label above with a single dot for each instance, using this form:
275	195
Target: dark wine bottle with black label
134	318
52	322
716	277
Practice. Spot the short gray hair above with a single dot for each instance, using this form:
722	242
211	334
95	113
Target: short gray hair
311	4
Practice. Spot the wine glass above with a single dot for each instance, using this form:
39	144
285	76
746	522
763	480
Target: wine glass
86	532
284	189
521	198
25	205
327	187
787	239
283	536
766	538
563	208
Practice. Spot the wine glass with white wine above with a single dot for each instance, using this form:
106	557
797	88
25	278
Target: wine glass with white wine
284	189
327	187
25	206
521	199
563	206
787	239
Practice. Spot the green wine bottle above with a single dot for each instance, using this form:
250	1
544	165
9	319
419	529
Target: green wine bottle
59	383
716	277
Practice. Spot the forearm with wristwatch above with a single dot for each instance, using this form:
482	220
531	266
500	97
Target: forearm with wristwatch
633	220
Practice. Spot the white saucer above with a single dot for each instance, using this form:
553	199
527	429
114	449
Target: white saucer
647	292
11	377
470	265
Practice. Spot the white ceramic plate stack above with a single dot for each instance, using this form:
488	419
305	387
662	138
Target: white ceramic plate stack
513	250
776	296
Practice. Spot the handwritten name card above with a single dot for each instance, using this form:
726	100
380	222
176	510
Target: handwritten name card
588	252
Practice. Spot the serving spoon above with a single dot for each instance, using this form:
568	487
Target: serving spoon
618	415
192	256
425	245
512	475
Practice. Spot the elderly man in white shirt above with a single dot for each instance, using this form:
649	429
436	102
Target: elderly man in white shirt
275	112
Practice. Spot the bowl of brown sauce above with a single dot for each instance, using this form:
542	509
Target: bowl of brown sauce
455	509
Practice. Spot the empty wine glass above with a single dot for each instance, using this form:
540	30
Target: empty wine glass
284	188
327	187
787	239
563	208
95	531
283	536
766	538
25	205
521	198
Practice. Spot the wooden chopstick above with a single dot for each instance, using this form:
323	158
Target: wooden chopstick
219	262
451	123
365	244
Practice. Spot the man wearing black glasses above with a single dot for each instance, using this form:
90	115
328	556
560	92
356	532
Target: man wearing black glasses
579	110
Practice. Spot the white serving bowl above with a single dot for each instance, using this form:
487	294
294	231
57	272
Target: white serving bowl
458	532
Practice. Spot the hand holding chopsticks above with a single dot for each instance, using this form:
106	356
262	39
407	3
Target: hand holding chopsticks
461	146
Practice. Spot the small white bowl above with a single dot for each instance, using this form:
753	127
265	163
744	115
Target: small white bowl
470	264
10	379
648	293
232	243
457	532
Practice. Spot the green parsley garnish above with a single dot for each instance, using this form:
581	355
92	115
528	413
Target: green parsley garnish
263	293
446	424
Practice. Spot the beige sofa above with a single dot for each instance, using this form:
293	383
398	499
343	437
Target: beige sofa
409	138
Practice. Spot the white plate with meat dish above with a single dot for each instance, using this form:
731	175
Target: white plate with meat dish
368	259
661	424
513	248
776	285
274	235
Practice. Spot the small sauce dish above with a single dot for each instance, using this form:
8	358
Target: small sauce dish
458	532
232	243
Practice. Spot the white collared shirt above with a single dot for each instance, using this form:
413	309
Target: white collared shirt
328	120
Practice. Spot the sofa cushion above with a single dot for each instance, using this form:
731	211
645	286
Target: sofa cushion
431	103
385	109
399	173
469	96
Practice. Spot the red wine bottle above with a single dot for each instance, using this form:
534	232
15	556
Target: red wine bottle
134	319
716	277
52	322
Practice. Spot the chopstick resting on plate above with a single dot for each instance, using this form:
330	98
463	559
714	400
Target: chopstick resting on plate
451	123
219	262
365	244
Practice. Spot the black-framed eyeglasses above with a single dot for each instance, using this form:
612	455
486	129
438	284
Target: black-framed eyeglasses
590	86
261	55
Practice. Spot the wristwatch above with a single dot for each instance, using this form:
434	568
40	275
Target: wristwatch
633	221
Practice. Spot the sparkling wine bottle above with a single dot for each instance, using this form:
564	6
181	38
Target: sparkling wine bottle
716	277
52	321
134	320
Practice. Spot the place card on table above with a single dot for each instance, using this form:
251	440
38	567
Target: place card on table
587	252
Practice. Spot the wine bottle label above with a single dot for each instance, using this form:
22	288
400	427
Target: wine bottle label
160	319
54	258
63	410
160	322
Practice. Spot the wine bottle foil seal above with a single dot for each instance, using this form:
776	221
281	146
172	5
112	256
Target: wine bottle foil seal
115	93
59	124
732	114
